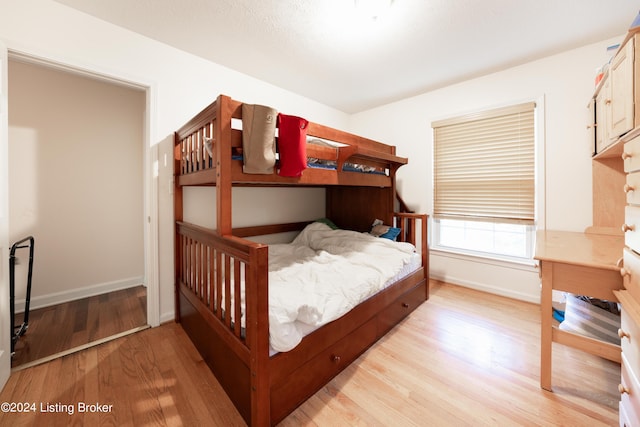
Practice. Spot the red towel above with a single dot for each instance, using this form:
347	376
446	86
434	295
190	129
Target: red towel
292	145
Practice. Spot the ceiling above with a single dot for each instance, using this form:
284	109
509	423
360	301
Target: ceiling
322	50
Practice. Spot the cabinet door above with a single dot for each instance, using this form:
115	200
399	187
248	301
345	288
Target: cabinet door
603	116
621	76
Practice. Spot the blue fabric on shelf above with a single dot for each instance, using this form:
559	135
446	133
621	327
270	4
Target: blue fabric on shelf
558	315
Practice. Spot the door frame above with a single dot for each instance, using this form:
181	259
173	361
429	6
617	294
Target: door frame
5	323
150	159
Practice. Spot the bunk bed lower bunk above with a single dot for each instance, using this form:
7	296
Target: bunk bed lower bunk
223	293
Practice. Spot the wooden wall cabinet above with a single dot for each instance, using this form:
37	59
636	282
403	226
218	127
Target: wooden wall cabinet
621	72
602	112
614	108
617	120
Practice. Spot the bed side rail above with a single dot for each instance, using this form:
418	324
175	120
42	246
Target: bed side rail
263	230
225	277
195	141
193	144
413	229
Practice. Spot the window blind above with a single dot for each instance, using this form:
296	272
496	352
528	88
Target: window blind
484	165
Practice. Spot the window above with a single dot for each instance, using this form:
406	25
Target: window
484	182
484	237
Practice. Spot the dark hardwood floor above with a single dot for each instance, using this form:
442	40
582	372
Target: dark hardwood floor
62	327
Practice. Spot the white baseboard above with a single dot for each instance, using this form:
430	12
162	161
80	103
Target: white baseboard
167	317
74	294
522	296
533	297
499	277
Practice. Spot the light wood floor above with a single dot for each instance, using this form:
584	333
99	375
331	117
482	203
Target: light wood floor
64	326
462	358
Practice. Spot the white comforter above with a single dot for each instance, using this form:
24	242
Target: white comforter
324	273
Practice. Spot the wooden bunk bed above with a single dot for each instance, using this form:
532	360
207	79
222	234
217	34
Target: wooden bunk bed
265	387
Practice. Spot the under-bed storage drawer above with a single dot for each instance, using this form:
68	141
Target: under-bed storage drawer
300	384
401	307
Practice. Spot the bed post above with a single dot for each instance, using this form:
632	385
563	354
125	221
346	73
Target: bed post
178	217
222	136
258	336
424	249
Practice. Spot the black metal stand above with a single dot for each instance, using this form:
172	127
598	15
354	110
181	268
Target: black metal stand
18	331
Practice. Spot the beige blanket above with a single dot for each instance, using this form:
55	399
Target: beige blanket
258	138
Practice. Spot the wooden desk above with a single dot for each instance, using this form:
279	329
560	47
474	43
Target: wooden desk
582	264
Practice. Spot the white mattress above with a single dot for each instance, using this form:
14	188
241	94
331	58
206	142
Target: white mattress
324	273
414	264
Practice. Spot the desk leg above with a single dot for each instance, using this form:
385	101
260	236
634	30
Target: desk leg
546	333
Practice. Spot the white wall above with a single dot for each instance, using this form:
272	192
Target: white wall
181	86
75	182
565	82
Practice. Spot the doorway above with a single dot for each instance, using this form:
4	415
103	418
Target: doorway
77	184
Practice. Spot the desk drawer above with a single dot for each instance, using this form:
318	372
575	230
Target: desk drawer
631	155
631	227
630	340
629	394
624	419
632	188
631	273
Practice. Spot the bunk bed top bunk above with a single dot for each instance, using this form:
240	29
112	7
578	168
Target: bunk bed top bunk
220	276
336	157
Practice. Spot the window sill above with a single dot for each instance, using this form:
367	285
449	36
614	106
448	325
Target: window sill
519	263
